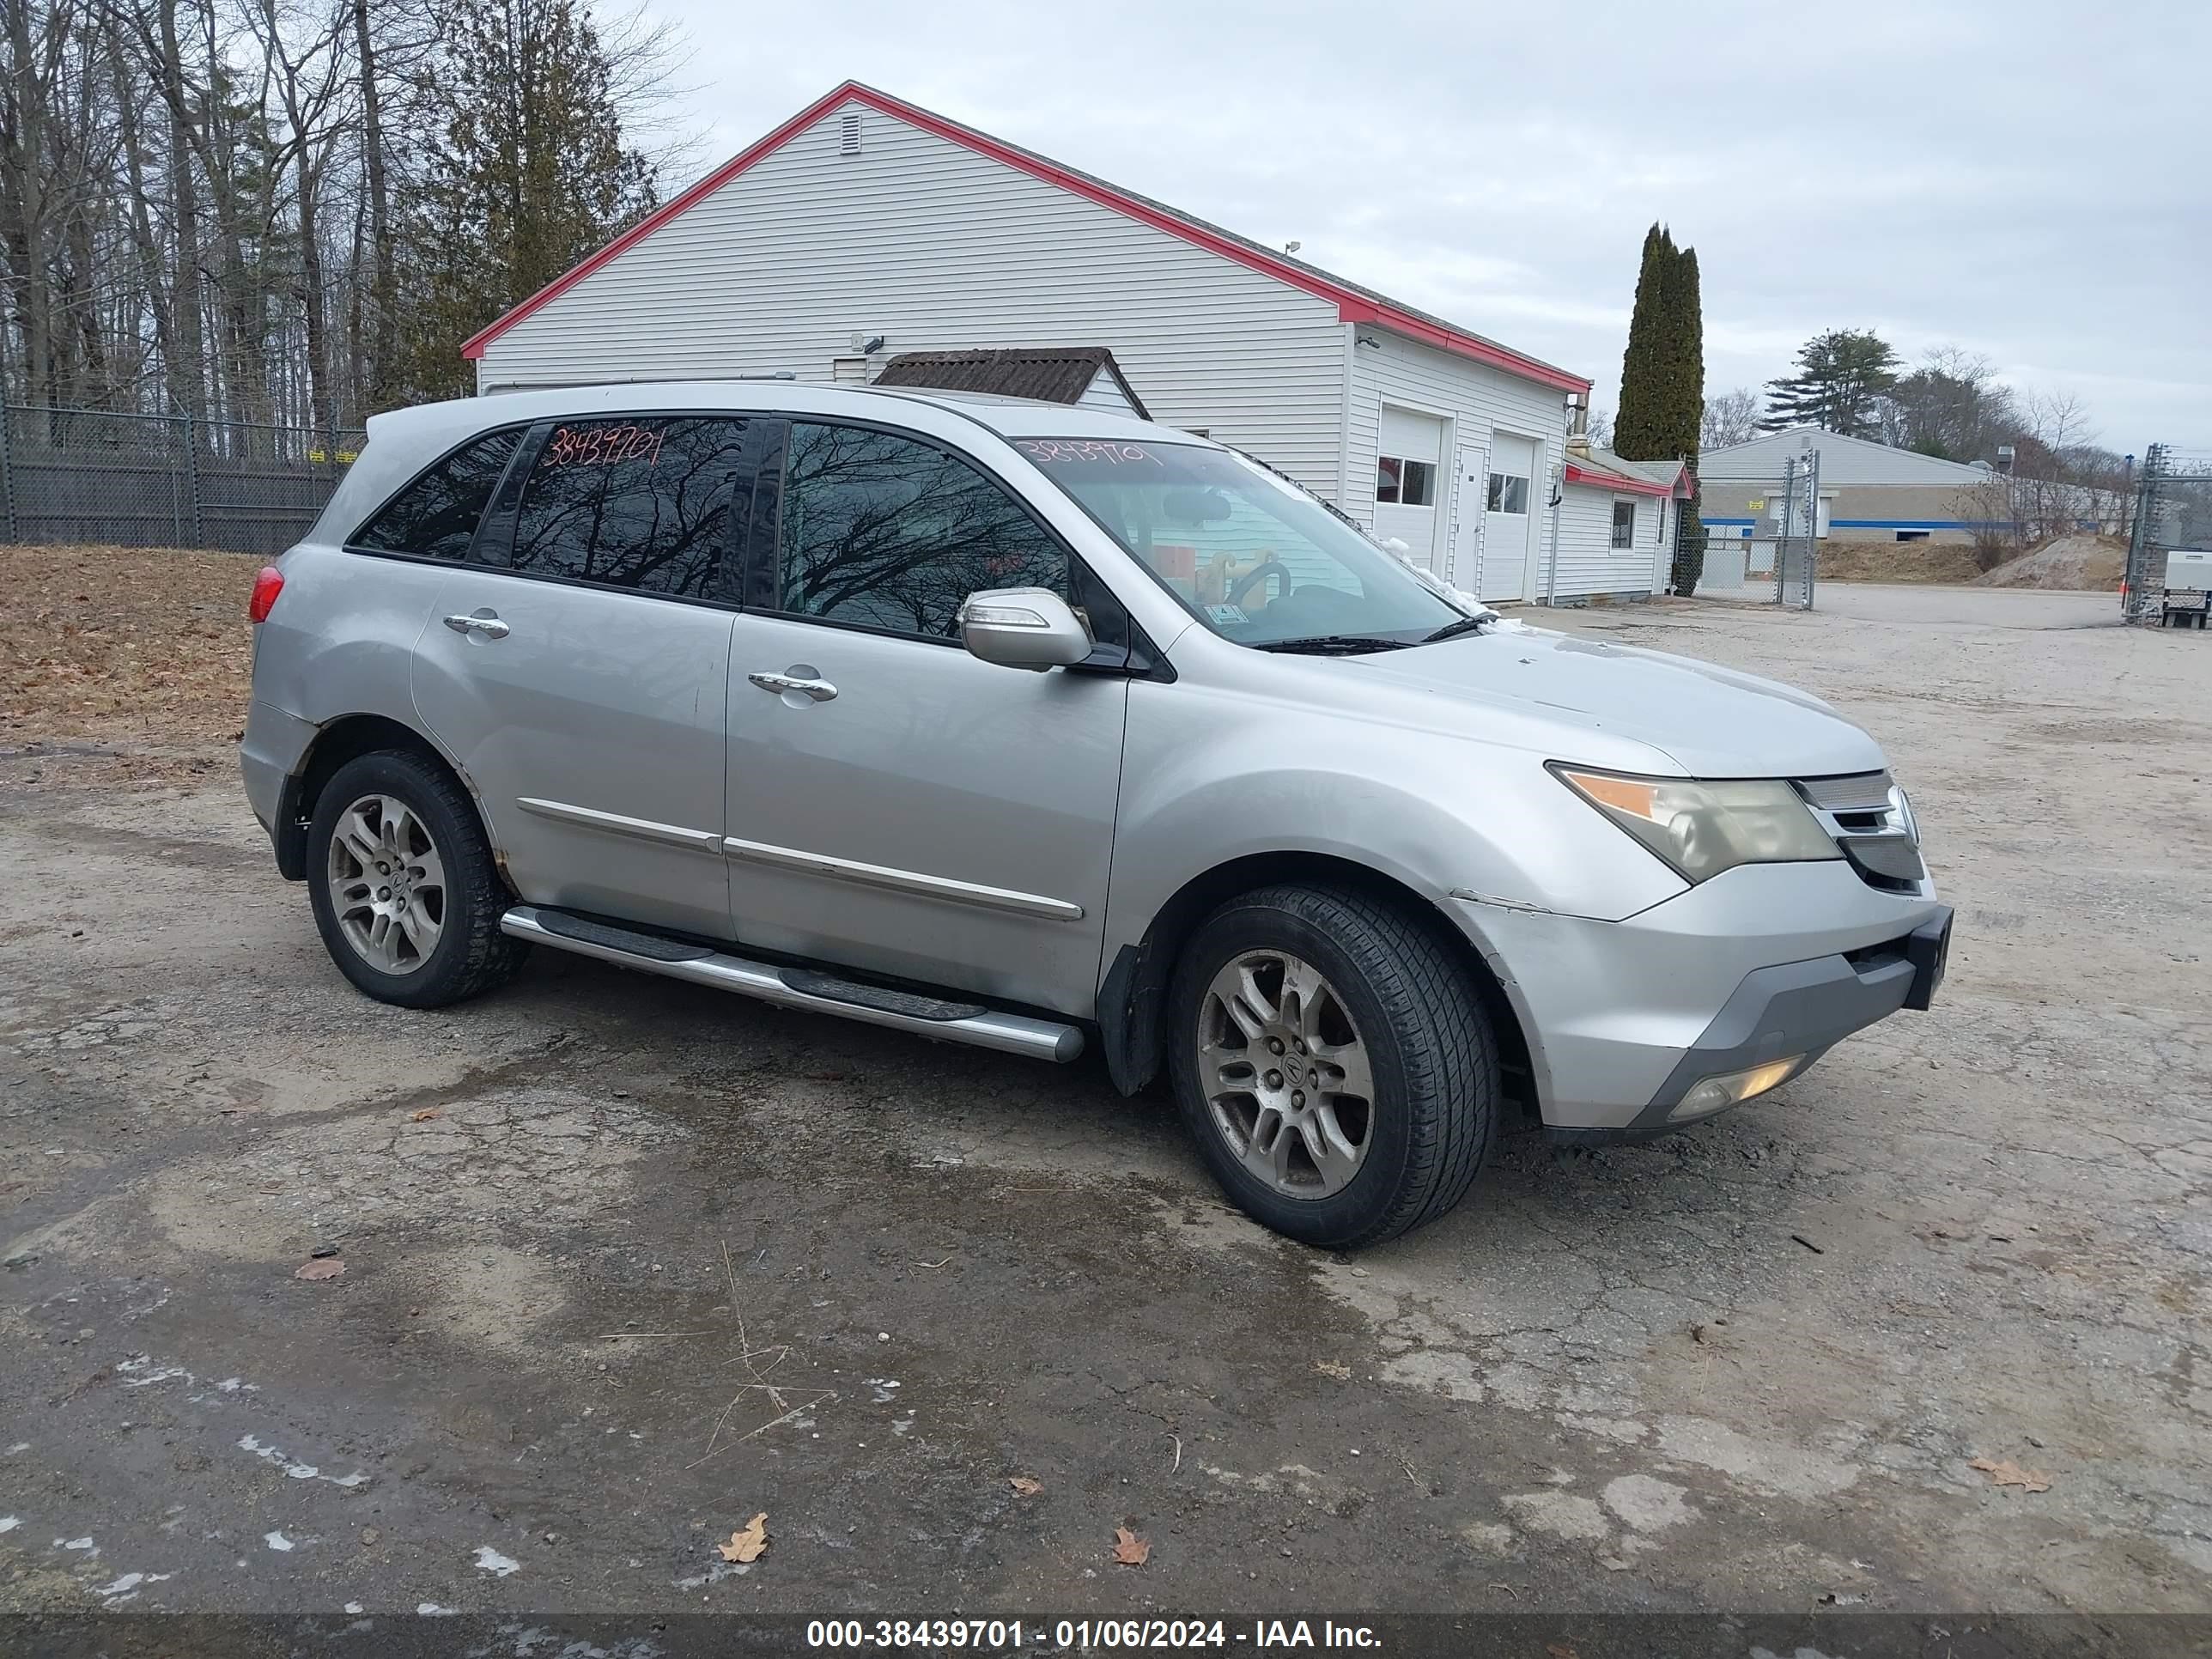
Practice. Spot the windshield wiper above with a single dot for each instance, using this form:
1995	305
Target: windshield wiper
1452	631
1334	645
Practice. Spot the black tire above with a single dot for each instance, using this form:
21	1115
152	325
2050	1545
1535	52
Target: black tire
1430	1048
471	956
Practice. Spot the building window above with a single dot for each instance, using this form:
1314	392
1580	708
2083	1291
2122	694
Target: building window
1912	535
1624	523
1406	483
1509	493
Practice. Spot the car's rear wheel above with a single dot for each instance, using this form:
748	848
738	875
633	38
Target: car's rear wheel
405	893
1331	1058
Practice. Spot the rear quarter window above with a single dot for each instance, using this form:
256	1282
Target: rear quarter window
435	517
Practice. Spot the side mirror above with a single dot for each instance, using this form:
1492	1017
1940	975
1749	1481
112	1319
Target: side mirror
1023	628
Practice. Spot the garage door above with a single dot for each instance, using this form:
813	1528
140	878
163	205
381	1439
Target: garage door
1508	519
1408	482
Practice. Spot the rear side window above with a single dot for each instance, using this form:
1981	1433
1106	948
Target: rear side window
632	503
435	517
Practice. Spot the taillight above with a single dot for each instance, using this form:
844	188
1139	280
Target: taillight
266	586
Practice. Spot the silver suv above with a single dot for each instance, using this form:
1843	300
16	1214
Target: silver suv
1016	725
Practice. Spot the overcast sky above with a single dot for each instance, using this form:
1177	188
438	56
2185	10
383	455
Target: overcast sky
2027	179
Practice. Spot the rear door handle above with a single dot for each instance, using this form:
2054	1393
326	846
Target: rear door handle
486	623
802	682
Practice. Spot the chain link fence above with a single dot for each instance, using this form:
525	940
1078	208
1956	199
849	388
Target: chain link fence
1760	536
105	476
2172	510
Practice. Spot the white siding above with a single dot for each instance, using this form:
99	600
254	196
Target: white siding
1105	393
939	247
1474	400
1585	559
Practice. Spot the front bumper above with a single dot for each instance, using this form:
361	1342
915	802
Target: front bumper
1763	962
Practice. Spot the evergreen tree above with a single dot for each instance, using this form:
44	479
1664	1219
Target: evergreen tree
1689	419
1662	379
532	177
1638	430
1841	378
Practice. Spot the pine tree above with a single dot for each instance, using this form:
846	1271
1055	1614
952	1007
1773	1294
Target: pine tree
1841	377
1662	379
1638	429
1688	415
533	175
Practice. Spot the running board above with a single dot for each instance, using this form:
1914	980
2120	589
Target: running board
796	988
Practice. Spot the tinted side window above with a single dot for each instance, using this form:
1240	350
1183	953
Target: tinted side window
632	503
892	533
435	517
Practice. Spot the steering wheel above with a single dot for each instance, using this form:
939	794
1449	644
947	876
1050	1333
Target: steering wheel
1260	573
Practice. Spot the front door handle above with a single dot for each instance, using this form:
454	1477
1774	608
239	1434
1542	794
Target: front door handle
800	681
486	623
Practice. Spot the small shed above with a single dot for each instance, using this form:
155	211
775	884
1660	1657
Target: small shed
1616	524
1085	375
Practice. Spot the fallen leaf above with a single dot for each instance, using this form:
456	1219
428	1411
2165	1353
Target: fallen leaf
1024	1486
1129	1550
747	1543
2010	1473
426	1115
1561	1650
329	1266
1331	1368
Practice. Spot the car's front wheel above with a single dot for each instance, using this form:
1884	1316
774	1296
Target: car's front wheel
1332	1058
405	890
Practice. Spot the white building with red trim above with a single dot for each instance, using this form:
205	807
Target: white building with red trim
1616	524
865	227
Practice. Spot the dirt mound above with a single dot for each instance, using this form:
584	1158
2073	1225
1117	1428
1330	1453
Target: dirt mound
1896	561
2082	562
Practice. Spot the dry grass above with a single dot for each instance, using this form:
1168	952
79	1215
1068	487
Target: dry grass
142	650
1897	561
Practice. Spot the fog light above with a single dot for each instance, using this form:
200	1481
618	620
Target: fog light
1711	1094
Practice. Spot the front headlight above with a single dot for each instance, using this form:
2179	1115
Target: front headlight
1701	829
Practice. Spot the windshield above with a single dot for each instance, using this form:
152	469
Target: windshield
1254	557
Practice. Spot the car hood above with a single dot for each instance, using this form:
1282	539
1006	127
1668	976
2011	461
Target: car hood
1713	722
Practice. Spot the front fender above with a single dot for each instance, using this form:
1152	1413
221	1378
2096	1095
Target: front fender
1212	776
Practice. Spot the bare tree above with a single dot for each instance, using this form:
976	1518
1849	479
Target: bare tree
1952	406
1730	417
209	207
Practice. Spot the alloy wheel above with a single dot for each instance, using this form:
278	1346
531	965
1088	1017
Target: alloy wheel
386	883
1286	1075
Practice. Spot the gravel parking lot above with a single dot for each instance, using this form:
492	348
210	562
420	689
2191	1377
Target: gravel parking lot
627	1263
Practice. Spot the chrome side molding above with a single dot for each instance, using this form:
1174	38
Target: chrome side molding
669	835
903	881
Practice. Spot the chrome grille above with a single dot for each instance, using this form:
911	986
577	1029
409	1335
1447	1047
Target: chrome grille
1863	792
1865	813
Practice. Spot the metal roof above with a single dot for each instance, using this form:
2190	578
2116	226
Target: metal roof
1855	461
1052	374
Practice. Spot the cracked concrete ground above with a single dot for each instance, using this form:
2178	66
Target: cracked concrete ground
626	1262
